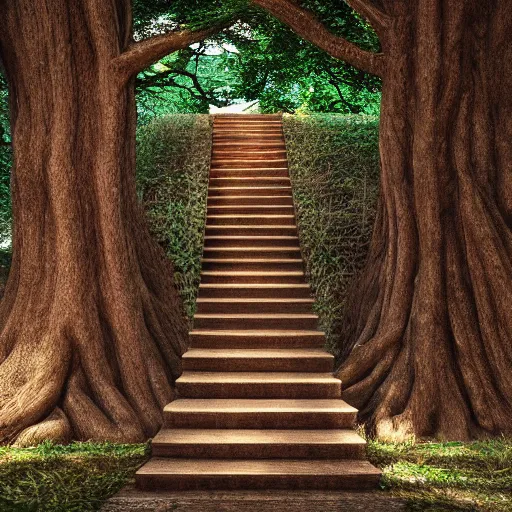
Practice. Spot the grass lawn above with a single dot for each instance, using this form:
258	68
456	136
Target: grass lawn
429	476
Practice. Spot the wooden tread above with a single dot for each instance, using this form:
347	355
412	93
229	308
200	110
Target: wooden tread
252	305
258	360
259	444
255	321
254	338
250	241
255	291
181	474
194	384
259	413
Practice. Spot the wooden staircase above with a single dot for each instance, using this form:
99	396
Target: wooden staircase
259	407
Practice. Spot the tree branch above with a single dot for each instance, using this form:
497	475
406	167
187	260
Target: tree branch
378	19
305	24
142	54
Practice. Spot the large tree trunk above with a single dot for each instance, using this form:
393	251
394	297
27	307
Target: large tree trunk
91	326
429	329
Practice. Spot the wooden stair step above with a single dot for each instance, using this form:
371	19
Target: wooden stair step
250	241
262	338
239	306
252	277
258	360
277	190
246	264
255	153
249	117
255	124
239	201
248	163
269	172
251	230
235	134
249	182
258	444
252	252
259	413
202	474
249	122
250	145
250	219
252	209
254	291
252	130
258	385
281	321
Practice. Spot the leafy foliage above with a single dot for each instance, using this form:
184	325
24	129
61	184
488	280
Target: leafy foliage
5	165
270	64
173	160
334	168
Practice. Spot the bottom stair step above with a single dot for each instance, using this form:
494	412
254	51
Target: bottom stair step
195	474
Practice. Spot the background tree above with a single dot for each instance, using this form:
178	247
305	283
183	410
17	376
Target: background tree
91	326
270	63
428	333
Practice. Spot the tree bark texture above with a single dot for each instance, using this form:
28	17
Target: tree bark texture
92	328
428	330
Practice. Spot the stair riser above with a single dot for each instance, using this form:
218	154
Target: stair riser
248	230
255	293
254	192
250	122
251	307
249	173
253	253
248	118
219	242
251	210
238	201
256	220
248	266
256	130
260	420
248	163
248	145
213	341
255	323
259	451
247	126
249	183
274	279
249	154
255	138
258	390
231	364
263	482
